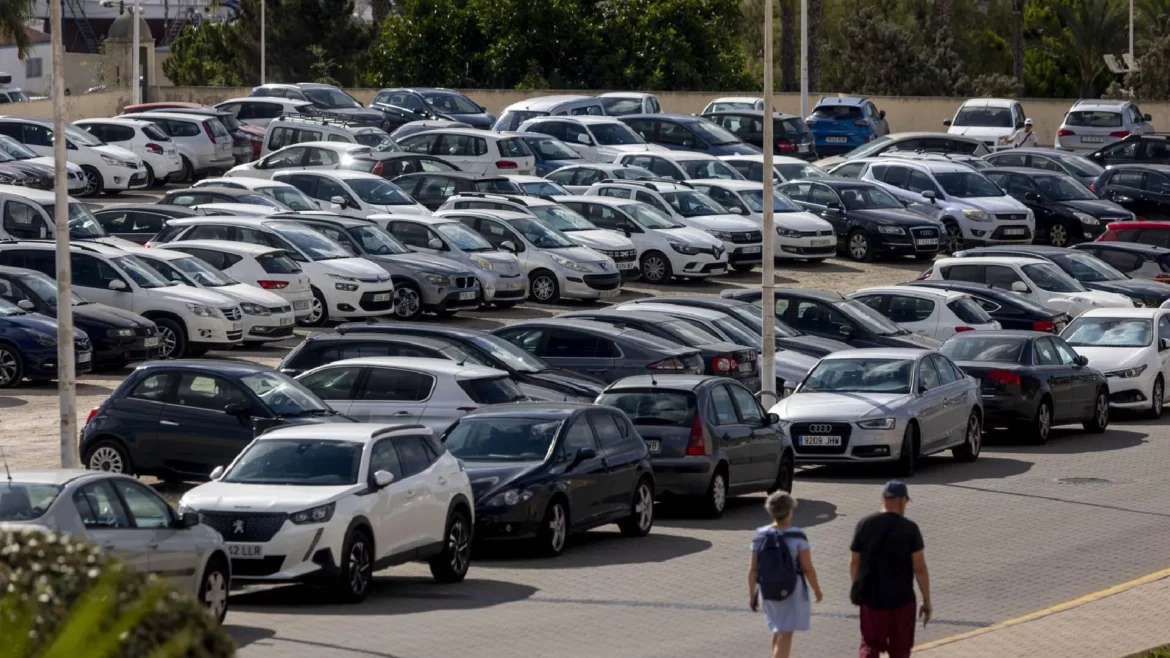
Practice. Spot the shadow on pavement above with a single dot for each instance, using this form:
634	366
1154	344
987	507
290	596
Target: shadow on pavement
1066	441
746	513
245	635
939	469
8	403
46	389
590	549
388	596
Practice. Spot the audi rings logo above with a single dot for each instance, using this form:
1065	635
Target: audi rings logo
820	428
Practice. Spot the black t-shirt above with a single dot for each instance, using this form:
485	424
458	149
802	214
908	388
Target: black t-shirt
886	541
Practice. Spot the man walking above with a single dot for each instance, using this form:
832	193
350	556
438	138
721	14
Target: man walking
1024	136
887	559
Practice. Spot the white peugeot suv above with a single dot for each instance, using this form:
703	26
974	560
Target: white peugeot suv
333	503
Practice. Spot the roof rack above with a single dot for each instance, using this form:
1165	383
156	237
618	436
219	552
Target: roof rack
327	118
650	184
493	195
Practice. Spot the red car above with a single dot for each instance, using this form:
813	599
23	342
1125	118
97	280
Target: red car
1140	231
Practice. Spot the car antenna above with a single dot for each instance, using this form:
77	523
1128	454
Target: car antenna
4	458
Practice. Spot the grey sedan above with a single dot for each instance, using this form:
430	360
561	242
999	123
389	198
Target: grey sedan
883	405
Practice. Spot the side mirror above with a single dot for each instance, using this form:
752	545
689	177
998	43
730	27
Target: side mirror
1020	286
26	305
582	455
626	231
584	139
187	520
947	122
435	243
339	201
117	284
773	419
1084	361
382	479
1146	117
846	331
508	245
835	206
1163	344
262	163
881	114
216	473
237	410
929	194
1034	197
735	210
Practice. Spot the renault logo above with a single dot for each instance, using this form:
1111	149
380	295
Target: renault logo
818	428
238	527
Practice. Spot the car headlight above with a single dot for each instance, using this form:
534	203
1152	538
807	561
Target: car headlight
117	162
255	309
44	340
722	235
119	333
1128	373
7	180
568	264
482	263
202	311
437	279
342	278
876	424
683	248
509	498
891	230
183	509
976	214
319	514
1087	220
787	232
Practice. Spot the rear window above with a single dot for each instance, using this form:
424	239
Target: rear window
836	112
23	501
513	148
794	126
497	390
497	185
968	311
659	408
993	348
154	133
278	264
168	233
229	121
216	128
1093	119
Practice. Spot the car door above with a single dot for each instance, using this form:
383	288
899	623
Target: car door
196	433
931	407
821	199
954	387
395	516
337	386
584	477
577	351
917	314
92	278
427	520
1084	378
621	462
1060	378
108	525
732	435
819	319
764	443
392	395
171	552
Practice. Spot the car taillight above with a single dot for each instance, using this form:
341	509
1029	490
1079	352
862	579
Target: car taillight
865	140
670	363
861	122
922	276
785	147
92	413
1093	186
810	122
154	148
1119	133
1004	377
1044	325
958	329
207	129
723	364
378	169
696	445
1162	278
506	164
1064	132
273	285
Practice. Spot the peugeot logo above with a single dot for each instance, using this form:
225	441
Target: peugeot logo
818	428
604	265
238	527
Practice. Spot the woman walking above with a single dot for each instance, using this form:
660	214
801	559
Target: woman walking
792	611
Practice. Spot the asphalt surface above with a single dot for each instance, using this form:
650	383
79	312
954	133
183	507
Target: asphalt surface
1004	537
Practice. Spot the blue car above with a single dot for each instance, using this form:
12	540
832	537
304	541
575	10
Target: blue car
842	123
687	132
28	346
551	153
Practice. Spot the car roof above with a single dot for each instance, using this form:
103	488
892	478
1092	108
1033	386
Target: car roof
680	155
989	102
445	367
841	100
57	476
835	182
731	184
878	352
217	366
266	99
414	339
992	260
1025	171
992	333
749	113
468	175
226	191
915	134
246	182
1099	103
540	103
625	94
1037	150
340	174
39	196
809	293
189	115
161	252
759	157
523	178
161	208
469	132
680	118
657	185
409	327
227	246
506	215
1150	249
596	198
644	315
337	146
134	123
736	99
662	382
899	290
239	220
1141	166
350	432
533	409
1120	312
663	305
336	220
78	246
1046	250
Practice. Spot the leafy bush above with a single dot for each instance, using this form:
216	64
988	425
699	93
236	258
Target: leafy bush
64	597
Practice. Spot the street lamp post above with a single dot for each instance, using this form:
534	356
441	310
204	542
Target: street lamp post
768	266
136	95
263	51
803	58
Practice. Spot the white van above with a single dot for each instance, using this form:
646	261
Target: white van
27	214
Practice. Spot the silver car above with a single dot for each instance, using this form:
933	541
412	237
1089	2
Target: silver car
204	144
883	405
1091	124
556	266
128	520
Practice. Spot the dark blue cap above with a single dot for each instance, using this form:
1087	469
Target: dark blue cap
895	489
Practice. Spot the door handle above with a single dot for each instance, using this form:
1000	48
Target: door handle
169	423
410	493
152	545
402	413
442	481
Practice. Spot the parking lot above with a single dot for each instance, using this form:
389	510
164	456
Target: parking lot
1019	530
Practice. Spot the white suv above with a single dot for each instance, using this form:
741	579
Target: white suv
332	503
190	321
107	168
142	138
475	151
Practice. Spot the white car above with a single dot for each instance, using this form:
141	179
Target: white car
600	139
333	502
681	165
665	247
353	193
1037	279
28	214
303	156
237	209
343	286
276	190
393	389
577	179
74	177
142	138
1131	347
472	150
257	111
265	267
725	103
267	316
799	233
619	103
190	321
992	121
106	168
930	312
784	168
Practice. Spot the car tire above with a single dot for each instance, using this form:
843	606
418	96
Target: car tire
972	441
173	338
641	517
656	267
216	585
318	311
1100	420
744	267
186	174
953	236
93	182
860	247
149	175
108	456
356	571
1040	427
785	475
907	462
1157	398
451	565
543	288
715	500
407	301
11	367
554	530
1060	235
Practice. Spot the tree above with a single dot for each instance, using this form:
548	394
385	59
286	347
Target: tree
1091	30
1151	81
428	42
789	38
203	56
14	15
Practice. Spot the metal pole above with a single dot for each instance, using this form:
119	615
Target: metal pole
66	376
803	58
1131	55
768	282
136	80
262	44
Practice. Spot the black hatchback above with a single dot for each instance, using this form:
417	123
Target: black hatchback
790	134
320	349
180	419
1143	189
1066	211
433	188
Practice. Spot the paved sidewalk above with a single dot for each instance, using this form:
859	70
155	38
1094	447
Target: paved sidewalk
1113	623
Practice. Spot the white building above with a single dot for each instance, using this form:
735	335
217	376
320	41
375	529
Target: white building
30	75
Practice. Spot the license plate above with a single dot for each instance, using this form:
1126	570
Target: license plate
821	243
382	297
467	295
285	322
1092	139
300	306
653	446
751	250
746	366
512	286
1014	231
802	148
836	140
245	551
238	326
820	440
84	357
718	270
150	342
932	242
611	293
627	266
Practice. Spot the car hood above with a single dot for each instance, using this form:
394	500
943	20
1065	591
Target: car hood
108	316
117	152
47	162
1099	208
791	366
723	223
426	262
566	381
356	267
838	406
36	323
489	477
198	296
801	221
981	132
995	204
245	292
1095	299
230	497
504	261
579	254
34	169
1113	358
1140	288
115	241
895	216
601	239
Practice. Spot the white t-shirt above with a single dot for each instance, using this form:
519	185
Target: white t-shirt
1024	137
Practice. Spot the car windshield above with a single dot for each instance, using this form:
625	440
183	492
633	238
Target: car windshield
1063	188
15	148
451	103
712	133
83	137
709	169
284	395
548	148
753	316
301	462
618	105
859	376
377	241
509	355
1093	119
737	333
1080	166
379	141
202	273
1109	332
464	238
966	184
984	117
794	171
654	407
649	217
330	99
630	172
615	134
541	235
562	219
693	204
727	106
871	319
82	224
1086	268
314	245
1049	277
868	197
780	203
142	274
1004	349
25	501
46	288
543	188
378	192
502	439
290	196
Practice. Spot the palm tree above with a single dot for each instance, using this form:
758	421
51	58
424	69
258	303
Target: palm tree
816	21
14	16
1092	29
1018	40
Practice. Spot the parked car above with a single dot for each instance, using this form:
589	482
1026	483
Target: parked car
729	103
790	134
30	214
1011	310
910	141
1035	278
1031	381
253	111
326	98
973	161
842	123
799	233
307	155
18	156
891	406
1132	348
204	144
1066	212
930	312
1147	148
537	186
1061	162
1089	124
247	141
1143	190
594	138
321	349
784	168
454	105
287	131
1134	259
868	221
283	193
28	346
474	151
106	168
681	165
340	489
543	106
618	103
414	127
197	198
129	520
685	132
402	106
577	179
990	120
707	436
432	189
142	138
550	153
352	193
138	223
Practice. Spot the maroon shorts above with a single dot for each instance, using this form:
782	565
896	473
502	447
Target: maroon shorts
888	631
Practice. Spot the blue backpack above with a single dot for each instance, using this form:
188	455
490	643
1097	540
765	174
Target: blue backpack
777	569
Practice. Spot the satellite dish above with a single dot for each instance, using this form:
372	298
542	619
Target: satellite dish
1129	63
1114	65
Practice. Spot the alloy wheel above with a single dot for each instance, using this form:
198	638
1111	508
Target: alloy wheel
718	492
954	238
459	543
644	507
91	183
359	567
974	435
558	524
543	288
215	594
1159	397
654	269
106	459
858	246
1102	410
316	310
168	340
8	367
1058	236
406	302
1043	421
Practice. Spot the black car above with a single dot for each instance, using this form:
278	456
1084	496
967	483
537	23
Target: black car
1142	189
392	164
708	438
790	134
1048	159
139	223
197	196
180	419
1031	381
1010	310
1066	211
1092	272
1152	148
751	316
829	315
434	103
1137	260
431	189
538	380
15	155
119	337
869	221
719	356
320	349
543	471
10	175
